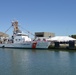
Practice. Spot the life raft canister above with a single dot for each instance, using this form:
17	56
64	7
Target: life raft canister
34	45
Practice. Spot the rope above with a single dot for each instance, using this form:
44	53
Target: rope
27	30
7	30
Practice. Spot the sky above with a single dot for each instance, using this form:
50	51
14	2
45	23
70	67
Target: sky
56	16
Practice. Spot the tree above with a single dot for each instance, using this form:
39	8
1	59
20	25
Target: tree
73	36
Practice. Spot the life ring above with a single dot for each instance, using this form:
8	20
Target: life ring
34	45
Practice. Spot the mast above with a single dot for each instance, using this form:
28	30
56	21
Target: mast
15	26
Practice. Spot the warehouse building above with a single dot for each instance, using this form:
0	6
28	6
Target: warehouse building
44	34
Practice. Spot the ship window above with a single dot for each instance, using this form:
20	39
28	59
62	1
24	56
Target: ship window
39	39
19	39
16	39
44	39
21	35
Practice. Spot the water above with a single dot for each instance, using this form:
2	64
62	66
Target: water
37	62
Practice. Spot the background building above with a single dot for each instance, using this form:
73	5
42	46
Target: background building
3	34
44	34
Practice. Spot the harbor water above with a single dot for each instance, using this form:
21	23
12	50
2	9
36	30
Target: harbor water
37	62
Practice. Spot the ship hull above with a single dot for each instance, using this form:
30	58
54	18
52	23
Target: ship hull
27	45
